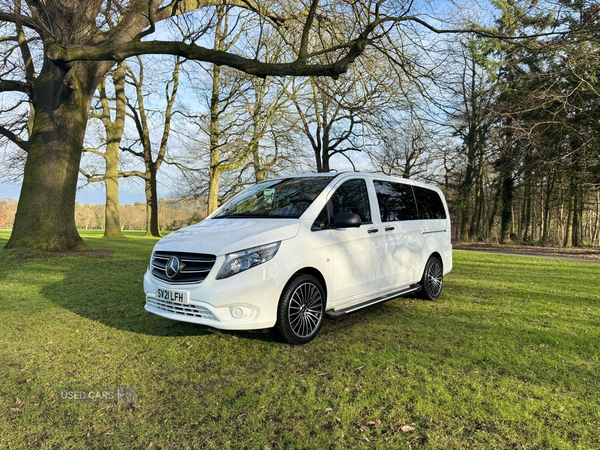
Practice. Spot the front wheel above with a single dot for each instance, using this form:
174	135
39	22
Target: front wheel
301	310
433	278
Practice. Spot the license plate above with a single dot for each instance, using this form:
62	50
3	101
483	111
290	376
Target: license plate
172	296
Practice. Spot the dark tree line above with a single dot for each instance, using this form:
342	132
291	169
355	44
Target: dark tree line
527	115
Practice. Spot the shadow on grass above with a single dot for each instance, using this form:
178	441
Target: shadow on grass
112	293
110	290
107	290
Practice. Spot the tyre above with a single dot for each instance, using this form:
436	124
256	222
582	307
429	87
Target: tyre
433	279
301	310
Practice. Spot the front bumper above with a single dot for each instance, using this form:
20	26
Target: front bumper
217	303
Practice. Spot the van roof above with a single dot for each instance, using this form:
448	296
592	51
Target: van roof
379	176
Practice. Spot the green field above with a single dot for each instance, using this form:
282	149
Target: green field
509	357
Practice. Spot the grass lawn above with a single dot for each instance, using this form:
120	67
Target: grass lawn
508	357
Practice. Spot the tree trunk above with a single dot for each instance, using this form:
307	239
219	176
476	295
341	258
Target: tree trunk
325	155
508	184
466	193
569	223
152	205
595	233
577	213
213	172
546	208
260	173
45	218
318	159
480	214
112	220
213	191
477	210
325	165
527	225
494	211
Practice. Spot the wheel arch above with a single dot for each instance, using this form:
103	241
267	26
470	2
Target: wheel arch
310	271
438	255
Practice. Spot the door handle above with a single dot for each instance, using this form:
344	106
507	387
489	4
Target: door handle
389	228
372	230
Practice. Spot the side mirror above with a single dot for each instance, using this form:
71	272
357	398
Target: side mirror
346	220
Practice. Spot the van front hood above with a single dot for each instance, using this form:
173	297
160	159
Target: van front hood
222	236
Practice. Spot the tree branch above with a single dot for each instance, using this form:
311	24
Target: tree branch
21	143
303	52
24	46
119	52
94	151
91	178
15	86
19	19
134	173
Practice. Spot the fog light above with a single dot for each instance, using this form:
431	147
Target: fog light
237	312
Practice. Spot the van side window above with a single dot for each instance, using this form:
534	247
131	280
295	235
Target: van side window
352	196
396	201
429	204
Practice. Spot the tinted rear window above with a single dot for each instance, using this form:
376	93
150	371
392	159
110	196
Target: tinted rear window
429	204
396	201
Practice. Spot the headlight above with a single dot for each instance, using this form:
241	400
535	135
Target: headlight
246	259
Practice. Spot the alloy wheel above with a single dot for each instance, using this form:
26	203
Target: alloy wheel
305	310
434	278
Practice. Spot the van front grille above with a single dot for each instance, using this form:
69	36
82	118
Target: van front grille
185	310
194	267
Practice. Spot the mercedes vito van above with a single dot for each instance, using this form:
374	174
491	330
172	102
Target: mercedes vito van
288	252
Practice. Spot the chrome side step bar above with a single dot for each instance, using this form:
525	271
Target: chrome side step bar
335	314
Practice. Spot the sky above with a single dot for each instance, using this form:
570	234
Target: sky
132	190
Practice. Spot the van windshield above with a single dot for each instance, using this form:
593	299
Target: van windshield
287	198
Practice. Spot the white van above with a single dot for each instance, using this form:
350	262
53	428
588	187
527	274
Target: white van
287	252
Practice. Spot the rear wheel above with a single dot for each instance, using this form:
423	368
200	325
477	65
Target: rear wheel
301	310
433	279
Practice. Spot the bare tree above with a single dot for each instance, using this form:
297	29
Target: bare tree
265	112
406	149
152	158
330	117
471	117
113	134
83	39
